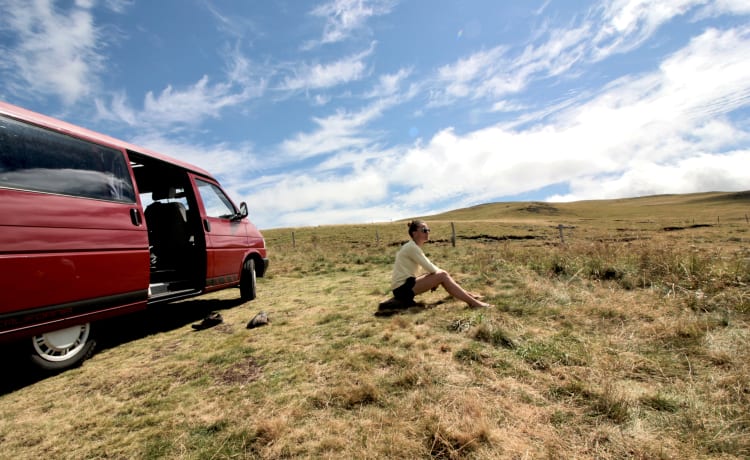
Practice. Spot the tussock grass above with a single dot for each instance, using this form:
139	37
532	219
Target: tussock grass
627	341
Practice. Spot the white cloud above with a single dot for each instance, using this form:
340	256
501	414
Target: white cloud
316	195
56	51
345	132
611	28
714	70
475	76
192	104
235	26
716	8
494	73
119	109
706	172
335	133
389	84
508	106
317	76
309	217
636	129
119	6
339	132
343	17
321	100
628	23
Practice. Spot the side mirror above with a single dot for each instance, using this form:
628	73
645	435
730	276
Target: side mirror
243	210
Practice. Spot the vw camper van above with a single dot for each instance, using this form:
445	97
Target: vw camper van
92	227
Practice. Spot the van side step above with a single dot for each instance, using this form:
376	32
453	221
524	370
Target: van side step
162	292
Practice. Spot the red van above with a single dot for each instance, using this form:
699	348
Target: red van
92	227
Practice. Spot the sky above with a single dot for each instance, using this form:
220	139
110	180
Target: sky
361	111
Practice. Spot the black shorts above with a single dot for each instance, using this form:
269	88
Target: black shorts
405	292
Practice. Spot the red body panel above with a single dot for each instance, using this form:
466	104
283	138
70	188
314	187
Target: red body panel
62	249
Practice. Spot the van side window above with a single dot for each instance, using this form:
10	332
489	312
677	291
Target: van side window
214	201
37	159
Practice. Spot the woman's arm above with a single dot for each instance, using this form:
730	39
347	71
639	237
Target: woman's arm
423	261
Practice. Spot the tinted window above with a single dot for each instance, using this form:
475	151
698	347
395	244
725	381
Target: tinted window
33	158
216	203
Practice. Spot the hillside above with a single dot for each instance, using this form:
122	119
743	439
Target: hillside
702	206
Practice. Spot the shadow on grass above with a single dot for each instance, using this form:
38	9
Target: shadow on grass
111	333
156	319
397	309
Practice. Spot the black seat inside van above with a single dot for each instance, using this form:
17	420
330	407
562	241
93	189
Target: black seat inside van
168	230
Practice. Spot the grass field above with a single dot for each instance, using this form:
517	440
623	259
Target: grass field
629	340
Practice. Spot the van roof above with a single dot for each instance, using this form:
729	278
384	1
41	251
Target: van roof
38	119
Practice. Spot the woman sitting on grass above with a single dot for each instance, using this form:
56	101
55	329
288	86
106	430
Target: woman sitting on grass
405	282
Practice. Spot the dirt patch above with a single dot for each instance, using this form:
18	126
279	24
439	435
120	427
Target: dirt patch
224	328
672	229
245	371
481	237
498	238
540	208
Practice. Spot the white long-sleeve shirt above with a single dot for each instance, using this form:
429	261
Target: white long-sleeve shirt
409	259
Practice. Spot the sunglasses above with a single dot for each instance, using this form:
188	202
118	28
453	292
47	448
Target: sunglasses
425	230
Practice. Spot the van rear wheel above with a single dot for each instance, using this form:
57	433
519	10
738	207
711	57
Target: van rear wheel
248	281
63	348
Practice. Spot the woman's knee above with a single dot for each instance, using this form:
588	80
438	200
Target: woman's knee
445	277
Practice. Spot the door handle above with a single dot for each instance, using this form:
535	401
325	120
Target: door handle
135	217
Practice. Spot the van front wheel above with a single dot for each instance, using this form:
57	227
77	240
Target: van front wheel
248	281
63	348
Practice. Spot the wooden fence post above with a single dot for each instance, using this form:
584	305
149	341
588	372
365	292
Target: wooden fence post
453	235
560	227
294	243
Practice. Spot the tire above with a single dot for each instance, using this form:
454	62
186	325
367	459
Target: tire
248	281
63	348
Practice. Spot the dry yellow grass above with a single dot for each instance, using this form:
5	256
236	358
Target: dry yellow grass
629	341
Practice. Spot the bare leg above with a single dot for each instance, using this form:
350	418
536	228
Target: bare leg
442	278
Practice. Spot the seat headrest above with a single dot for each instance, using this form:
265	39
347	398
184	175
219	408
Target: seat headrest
162	193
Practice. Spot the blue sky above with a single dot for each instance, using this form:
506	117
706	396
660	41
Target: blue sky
356	111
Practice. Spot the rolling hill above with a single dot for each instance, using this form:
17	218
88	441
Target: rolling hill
702	206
